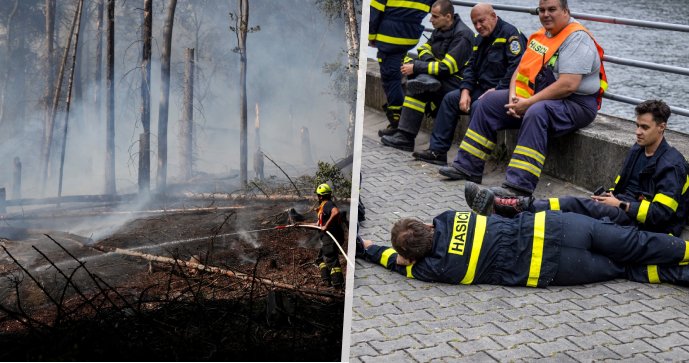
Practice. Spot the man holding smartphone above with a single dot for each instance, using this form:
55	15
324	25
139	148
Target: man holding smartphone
649	192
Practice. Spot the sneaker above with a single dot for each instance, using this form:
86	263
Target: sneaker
430	156
456	174
399	140
511	206
422	83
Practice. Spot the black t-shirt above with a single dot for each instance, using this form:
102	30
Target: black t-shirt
633	187
335	227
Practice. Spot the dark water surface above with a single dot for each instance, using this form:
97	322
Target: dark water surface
658	46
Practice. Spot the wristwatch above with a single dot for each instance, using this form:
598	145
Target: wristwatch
624	206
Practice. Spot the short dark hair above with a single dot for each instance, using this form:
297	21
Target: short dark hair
445	7
411	238
659	109
563	4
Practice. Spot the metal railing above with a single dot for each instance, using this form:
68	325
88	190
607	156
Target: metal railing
611	59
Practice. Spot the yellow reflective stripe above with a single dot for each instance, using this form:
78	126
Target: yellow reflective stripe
372	36
604	85
479	233
380	60
666	201
473	150
395	40
421	53
523	150
394	108
414	104
386	256
686	185
475	48
453	63
521	92
433	67
499	40
408	4
537	249
522	78
407	59
685	259
554	204
480	139
653	277
520	164
377	5
335	270
643	210
409	274
322	265
617	180
433	106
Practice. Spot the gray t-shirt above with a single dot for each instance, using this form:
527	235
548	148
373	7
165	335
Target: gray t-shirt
578	55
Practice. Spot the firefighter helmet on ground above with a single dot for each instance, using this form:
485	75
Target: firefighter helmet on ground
324	189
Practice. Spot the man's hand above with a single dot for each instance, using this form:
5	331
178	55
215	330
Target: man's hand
401	261
407	69
517	106
465	101
367	243
607	198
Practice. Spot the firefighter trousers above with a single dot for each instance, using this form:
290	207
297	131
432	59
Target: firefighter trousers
544	119
446	121
587	207
391	77
599	250
415	106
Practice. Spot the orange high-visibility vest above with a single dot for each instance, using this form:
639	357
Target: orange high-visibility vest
540	49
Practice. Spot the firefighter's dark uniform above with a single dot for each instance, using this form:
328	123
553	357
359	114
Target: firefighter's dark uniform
328	260
491	65
444	56
662	204
395	27
537	250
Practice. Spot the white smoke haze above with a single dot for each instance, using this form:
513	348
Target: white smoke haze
285	77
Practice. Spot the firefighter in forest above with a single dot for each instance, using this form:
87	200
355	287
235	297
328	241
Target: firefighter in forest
329	219
536	250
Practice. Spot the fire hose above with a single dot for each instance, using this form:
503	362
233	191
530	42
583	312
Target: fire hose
311	226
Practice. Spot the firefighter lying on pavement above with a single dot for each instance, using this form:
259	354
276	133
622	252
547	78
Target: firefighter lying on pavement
394	28
556	90
537	250
438	69
498	48
649	192
329	219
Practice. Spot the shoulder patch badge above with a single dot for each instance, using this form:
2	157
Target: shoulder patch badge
515	47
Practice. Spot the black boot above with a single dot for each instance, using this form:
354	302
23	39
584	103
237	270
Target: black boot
401	140
337	278
511	206
423	83
325	273
393	120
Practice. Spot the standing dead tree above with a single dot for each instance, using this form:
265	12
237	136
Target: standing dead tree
50	122
164	105
187	122
241	29
98	77
8	64
110	187
145	144
69	95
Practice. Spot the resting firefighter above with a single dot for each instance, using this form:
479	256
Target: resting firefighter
329	219
537	250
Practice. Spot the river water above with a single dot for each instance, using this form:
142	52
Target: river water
658	46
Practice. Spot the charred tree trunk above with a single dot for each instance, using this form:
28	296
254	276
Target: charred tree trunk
164	96
17	179
145	141
49	40
98	76
78	83
258	154
187	122
110	187
50	122
243	30
352	35
69	95
8	63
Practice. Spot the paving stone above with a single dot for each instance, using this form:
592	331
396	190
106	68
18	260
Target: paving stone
511	341
555	332
521	352
591	341
439	351
589	314
593	302
366	336
361	349
547	349
628	321
668	342
486	330
630	349
663	315
415	316
677	354
391	345
395	332
668	327
598	353
438	324
396	356
561	317
515	326
559	357
593	326
480	357
631	334
473	346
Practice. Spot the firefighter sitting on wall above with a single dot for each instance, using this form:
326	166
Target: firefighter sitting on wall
649	192
536	250
329	219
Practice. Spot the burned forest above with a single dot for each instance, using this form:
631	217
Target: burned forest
160	161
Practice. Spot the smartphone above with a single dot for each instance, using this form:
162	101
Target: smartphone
599	191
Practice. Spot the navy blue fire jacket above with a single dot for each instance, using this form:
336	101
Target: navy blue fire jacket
473	249
662	206
446	53
494	59
395	26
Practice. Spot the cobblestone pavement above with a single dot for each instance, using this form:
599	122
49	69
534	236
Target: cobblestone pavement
398	319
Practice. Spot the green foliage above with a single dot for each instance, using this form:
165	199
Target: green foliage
331	174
